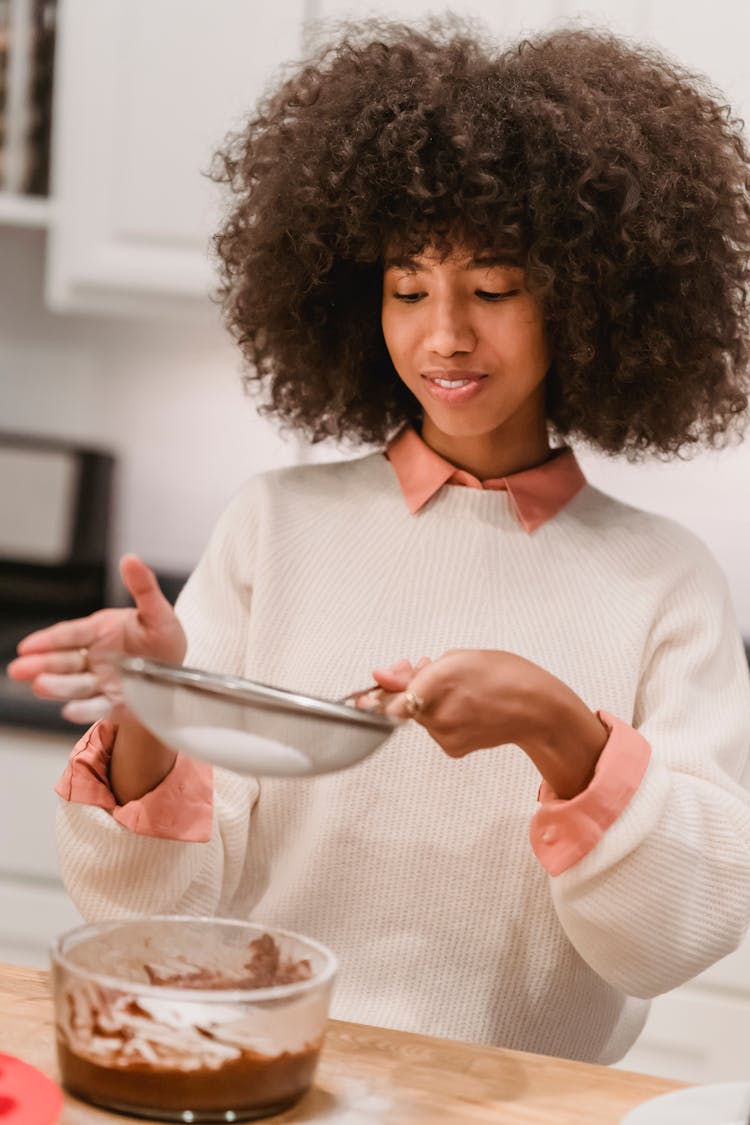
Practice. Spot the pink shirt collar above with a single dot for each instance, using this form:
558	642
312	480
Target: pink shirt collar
537	494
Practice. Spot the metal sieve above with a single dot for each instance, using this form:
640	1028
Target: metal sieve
246	726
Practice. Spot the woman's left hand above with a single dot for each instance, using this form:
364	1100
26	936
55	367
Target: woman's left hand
472	699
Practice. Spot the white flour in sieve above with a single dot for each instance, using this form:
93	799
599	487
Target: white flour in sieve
239	750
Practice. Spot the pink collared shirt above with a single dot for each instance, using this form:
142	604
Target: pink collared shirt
537	494
180	808
561	831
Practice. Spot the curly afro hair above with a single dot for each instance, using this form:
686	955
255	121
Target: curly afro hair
616	178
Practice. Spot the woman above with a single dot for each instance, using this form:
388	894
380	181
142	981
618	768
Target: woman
467	258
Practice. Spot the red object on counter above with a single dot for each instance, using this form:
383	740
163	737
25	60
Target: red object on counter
27	1097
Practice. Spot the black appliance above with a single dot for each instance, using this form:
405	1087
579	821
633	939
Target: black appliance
55	532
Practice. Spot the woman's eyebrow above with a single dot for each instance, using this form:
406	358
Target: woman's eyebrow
492	262
413	265
401	263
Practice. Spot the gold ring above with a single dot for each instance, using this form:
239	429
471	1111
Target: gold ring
414	703
84	653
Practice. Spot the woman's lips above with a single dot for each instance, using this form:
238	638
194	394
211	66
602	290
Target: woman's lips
454	387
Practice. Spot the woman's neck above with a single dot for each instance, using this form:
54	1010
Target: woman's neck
491	455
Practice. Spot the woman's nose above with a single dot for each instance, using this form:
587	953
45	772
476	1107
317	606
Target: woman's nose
449	330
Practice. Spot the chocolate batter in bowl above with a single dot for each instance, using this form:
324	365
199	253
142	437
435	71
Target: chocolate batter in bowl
190	1019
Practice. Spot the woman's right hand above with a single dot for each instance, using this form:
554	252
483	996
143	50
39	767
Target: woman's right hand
70	660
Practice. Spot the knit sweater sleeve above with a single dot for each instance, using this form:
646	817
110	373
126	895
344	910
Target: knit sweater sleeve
109	870
666	891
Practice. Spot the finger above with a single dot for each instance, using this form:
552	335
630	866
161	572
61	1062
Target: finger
90	711
416	698
369	700
58	663
391	681
394	678
23	668
144	589
75	634
83	686
398	677
398	708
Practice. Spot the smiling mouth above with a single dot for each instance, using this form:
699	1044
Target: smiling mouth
457	380
456	388
451	382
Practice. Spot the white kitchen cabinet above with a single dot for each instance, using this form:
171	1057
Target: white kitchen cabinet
145	91
31	761
699	1032
33	916
34	907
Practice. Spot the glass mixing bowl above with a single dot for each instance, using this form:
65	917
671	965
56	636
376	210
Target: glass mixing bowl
190	1019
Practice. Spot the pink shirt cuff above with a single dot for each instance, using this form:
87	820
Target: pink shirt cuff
563	832
179	808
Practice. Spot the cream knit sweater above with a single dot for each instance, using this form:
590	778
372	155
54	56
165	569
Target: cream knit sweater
415	868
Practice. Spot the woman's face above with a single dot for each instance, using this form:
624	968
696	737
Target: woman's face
469	342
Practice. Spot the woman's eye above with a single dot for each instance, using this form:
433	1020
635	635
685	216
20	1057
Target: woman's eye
486	296
483	294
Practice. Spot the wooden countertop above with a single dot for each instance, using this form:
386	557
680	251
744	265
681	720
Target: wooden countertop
372	1076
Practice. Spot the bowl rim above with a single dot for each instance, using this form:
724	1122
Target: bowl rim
194	995
235	689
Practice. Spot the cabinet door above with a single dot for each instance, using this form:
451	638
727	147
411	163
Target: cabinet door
30	764
694	1036
34	915
699	1032
145	91
34	907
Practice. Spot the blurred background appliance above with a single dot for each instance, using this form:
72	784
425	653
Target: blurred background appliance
55	534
